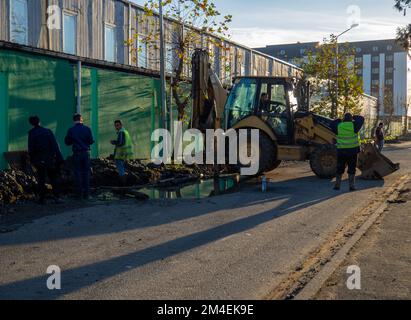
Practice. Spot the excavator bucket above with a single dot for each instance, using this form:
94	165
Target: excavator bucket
373	164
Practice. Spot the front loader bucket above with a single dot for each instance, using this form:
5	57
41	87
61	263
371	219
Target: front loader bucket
373	164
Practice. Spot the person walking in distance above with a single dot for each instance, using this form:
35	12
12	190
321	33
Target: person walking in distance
348	147
80	138
380	137
123	151
46	157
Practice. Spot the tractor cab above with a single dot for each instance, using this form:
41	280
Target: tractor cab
273	100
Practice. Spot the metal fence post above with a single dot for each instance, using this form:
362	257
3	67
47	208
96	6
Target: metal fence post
4	117
94	112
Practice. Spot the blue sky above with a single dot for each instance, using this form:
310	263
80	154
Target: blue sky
263	22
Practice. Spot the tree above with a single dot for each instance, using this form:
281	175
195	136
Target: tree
321	66
404	34
388	99
190	24
404	37
406	105
402	5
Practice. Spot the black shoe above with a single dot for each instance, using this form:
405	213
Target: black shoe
351	179
338	181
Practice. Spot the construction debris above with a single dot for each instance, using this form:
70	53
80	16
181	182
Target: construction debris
16	185
20	185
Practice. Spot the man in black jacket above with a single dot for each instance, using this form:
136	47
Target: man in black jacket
380	137
80	138
45	156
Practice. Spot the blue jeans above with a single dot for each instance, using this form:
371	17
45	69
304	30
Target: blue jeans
121	168
380	145
81	161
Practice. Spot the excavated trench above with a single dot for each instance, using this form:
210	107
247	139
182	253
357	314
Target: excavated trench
144	180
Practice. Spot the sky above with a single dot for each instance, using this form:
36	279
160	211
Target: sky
257	23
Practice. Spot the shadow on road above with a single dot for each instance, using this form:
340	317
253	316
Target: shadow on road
296	194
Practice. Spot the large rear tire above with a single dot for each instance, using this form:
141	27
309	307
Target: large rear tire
323	161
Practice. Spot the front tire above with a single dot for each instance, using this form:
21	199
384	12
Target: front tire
323	161
267	151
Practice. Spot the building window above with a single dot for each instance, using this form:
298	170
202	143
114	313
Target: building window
69	33
358	50
390	58
375	48
375	82
142	53
18	22
358	60
302	51
389	47
376	59
282	52
389	82
390	70
376	70
110	43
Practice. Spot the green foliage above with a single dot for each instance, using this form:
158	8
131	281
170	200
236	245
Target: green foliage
321	66
404	34
402	5
404	37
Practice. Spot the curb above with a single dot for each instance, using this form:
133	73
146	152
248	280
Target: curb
315	285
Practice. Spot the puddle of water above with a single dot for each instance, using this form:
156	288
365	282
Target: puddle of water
199	190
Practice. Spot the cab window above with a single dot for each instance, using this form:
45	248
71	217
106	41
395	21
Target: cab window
273	98
241	102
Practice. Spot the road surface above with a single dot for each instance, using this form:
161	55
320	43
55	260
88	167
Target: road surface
236	246
383	256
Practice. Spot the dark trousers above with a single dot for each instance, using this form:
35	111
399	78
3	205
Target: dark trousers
81	162
44	172
347	159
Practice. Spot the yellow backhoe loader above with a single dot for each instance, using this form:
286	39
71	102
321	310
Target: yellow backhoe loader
279	108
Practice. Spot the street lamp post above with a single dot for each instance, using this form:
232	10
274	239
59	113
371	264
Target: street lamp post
337	59
162	68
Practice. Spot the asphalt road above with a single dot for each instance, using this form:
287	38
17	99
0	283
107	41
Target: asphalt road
383	256
235	246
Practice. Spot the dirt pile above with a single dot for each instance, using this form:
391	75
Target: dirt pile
16	185
104	173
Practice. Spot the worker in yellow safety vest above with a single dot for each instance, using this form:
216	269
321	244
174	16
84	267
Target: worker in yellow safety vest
348	147
123	150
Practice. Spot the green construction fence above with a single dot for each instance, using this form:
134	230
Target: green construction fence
44	86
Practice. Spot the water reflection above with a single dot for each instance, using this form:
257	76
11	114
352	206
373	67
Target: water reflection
199	190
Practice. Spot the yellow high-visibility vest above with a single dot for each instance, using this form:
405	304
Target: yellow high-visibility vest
347	138
124	152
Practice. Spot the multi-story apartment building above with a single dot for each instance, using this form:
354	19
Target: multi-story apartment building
384	66
59	56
